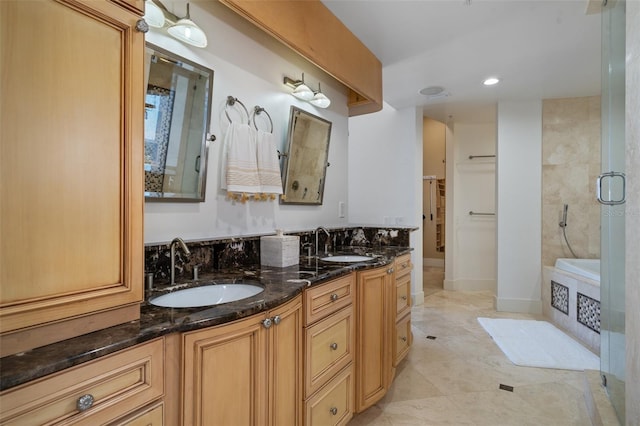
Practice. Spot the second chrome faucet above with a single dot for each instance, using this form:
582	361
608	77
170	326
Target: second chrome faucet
172	248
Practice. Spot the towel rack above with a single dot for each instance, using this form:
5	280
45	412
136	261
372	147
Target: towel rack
231	101
472	213
257	110
471	157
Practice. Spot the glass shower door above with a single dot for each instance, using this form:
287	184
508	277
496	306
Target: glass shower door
610	191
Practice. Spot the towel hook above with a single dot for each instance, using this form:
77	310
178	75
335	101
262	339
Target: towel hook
257	110
231	101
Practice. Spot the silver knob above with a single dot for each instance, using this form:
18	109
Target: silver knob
390	271
276	320
142	26
334	346
404	339
404	297
84	402
333	410
267	323
334	297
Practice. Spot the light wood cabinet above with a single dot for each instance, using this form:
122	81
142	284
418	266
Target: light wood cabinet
71	173
374	328
244	373
109	388
148	416
402	336
329	352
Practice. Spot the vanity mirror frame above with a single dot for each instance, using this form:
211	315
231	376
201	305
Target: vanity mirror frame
307	157
199	162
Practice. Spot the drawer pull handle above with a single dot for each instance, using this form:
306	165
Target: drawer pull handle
404	298
334	297
84	402
333	410
276	320
390	271
267	323
403	338
334	346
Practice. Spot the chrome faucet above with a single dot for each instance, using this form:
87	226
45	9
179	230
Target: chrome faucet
320	228
172	248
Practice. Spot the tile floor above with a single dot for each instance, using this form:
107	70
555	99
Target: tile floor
455	379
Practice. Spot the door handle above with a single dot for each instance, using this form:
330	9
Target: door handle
611	175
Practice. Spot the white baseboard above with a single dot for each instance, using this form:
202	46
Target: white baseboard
430	261
417	298
525	306
470	285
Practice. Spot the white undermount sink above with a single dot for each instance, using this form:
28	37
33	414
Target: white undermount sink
206	295
350	258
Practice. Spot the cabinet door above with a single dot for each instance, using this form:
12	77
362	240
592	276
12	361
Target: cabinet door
70	160
285	364
373	336
225	374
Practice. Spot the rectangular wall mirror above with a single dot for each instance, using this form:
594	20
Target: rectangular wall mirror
306	165
176	126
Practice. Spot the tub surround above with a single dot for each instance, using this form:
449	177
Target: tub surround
281	285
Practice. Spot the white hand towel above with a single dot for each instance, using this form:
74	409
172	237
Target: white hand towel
268	163
241	172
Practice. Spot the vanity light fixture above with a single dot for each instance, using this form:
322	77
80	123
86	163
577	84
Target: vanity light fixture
320	99
183	29
303	92
491	81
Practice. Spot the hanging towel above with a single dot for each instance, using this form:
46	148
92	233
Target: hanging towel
241	171
268	163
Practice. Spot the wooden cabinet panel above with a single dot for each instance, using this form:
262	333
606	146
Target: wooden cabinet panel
285	366
334	403
244	373
403	339
225	374
325	299
149	416
70	161
329	347
118	384
373	335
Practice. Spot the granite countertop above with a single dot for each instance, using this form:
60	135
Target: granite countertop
280	285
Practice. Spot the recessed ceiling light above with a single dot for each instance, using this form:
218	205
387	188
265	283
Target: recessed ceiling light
434	92
491	81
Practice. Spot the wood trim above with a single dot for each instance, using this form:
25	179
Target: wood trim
310	29
172	378
25	339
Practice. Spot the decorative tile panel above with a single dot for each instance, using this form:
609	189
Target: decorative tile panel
589	312
560	297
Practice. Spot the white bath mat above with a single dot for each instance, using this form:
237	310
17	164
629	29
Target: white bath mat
531	343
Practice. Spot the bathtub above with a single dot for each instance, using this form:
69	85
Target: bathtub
588	268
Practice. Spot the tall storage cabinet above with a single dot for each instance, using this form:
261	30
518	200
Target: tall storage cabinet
71	156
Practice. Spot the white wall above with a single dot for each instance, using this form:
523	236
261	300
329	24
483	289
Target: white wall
472	243
385	175
518	169
250	66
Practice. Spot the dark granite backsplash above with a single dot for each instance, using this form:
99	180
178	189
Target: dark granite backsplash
229	253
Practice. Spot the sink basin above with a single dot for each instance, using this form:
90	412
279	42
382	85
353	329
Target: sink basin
346	259
206	295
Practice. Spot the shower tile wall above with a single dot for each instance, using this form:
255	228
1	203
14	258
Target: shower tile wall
570	166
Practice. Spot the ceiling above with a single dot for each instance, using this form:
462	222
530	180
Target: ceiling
539	49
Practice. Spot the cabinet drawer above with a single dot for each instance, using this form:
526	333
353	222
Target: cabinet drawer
329	346
402	340
403	265
149	416
402	296
328	298
118	384
333	404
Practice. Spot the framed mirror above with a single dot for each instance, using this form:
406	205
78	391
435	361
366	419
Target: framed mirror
306	164
176	126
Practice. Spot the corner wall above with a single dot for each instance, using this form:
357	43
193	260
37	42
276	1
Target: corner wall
519	169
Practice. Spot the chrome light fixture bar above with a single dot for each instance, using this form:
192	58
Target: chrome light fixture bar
303	92
183	29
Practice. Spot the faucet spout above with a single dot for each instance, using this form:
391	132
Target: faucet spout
172	249
321	228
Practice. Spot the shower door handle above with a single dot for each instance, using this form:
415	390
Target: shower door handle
611	175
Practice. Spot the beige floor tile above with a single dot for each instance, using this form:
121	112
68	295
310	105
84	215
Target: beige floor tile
454	379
